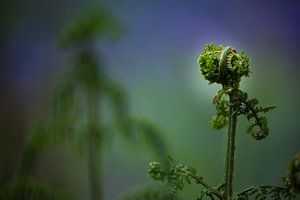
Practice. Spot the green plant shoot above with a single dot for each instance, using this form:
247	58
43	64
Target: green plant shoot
227	66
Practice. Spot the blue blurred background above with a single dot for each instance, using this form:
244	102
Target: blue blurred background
156	60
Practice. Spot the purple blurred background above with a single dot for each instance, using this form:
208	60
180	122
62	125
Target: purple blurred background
156	61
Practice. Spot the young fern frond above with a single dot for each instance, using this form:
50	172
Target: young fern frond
227	66
175	175
222	103
258	127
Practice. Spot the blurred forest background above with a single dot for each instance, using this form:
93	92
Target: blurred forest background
155	59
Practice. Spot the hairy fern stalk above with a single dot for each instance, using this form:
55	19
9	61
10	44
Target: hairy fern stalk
227	66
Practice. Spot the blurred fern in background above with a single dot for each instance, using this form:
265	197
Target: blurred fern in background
75	117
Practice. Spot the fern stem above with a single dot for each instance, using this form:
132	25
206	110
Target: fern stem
94	161
230	152
199	180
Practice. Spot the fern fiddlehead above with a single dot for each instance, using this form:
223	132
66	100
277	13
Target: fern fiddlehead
175	175
231	67
227	66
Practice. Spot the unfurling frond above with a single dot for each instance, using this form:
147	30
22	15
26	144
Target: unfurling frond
209	62
226	66
176	175
173	174
258	127
223	65
221	103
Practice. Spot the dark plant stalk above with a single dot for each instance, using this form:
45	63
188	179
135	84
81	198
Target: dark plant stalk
230	152
94	160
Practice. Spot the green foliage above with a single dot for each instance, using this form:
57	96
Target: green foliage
138	131
222	103
226	66
54	129
87	72
223	65
31	189
209	62
31	152
175	175
90	25
294	172
148	193
64	125
74	115
258	127
266	192
117	97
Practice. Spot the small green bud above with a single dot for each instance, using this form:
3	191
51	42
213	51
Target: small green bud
223	65
155	171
